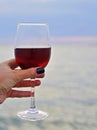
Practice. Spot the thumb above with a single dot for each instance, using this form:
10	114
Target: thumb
29	73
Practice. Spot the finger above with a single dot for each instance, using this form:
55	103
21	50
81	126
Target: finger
2	98
3	90
19	94
28	73
28	83
12	63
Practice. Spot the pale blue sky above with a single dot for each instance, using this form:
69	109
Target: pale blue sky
65	17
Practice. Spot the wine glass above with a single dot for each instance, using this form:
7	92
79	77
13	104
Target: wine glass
32	49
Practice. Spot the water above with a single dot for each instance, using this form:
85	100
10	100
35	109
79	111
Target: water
68	91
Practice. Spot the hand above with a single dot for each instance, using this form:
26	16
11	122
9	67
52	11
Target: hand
10	77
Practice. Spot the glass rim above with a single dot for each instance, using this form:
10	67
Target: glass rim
28	24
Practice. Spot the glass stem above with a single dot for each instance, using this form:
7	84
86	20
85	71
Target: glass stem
32	105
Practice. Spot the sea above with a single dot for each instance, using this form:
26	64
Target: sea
68	92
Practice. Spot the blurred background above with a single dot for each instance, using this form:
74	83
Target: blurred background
65	18
69	90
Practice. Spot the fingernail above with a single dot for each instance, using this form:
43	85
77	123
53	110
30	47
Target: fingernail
40	70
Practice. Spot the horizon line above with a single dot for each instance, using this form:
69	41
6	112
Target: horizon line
63	39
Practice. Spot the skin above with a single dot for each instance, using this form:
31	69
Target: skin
10	78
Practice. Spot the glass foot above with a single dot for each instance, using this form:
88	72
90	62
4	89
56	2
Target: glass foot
32	115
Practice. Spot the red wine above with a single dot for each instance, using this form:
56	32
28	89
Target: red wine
32	57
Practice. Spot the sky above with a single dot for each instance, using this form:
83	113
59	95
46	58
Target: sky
64	17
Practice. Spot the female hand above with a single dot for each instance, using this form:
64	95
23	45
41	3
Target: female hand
10	77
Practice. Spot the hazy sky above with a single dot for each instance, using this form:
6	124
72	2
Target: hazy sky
65	17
